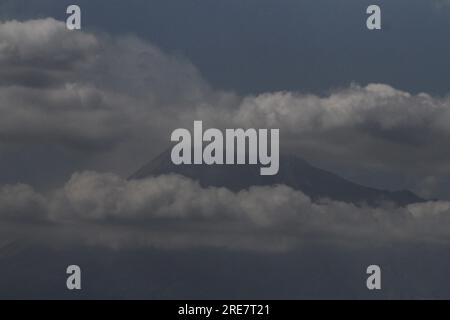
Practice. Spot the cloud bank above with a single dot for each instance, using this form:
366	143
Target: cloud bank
173	211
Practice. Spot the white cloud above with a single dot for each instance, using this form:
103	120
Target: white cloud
44	42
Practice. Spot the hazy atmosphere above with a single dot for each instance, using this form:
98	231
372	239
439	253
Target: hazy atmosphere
86	178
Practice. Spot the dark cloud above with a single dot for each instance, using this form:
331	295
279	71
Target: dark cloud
175	212
123	96
76	100
116	100
88	92
22	203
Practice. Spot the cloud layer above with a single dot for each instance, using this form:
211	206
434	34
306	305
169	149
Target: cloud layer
116	99
173	211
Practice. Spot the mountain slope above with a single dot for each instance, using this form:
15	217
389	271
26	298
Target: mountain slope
294	172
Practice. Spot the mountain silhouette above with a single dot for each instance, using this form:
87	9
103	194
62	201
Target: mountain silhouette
294	172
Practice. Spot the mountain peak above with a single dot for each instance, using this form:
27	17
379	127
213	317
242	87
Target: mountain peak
295	172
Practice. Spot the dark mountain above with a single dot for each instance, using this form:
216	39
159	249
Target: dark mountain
294	172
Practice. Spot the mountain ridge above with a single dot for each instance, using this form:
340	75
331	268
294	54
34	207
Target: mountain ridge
295	172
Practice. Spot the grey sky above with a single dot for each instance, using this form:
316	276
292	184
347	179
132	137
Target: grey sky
256	46
80	111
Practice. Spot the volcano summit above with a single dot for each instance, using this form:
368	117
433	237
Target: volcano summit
294	172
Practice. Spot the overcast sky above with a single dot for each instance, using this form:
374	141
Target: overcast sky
82	110
256	46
